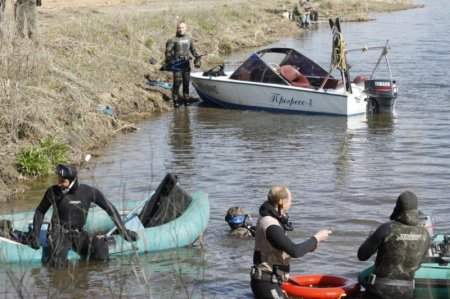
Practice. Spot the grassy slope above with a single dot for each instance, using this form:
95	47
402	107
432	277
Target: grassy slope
93	55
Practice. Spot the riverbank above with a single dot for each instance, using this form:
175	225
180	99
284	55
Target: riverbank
90	54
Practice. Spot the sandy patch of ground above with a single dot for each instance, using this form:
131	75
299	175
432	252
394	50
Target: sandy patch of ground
155	4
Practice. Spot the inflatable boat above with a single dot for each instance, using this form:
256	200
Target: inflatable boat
169	218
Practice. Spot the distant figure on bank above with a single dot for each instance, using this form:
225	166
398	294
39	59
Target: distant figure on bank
177	55
401	245
273	248
240	223
314	14
306	18
25	13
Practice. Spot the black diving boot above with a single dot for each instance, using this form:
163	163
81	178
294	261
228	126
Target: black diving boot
186	99
175	101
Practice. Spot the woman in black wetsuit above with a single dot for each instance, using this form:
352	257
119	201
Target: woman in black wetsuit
273	248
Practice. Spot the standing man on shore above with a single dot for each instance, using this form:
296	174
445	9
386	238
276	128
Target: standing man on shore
177	55
25	11
306	20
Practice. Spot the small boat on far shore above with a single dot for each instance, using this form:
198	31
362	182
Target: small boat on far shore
285	80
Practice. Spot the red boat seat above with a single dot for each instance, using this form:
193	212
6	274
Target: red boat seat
332	83
244	76
359	79
294	77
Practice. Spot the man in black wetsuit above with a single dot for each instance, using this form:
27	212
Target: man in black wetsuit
401	245
177	54
273	249
70	202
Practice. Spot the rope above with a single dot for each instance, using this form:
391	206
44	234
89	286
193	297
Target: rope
339	58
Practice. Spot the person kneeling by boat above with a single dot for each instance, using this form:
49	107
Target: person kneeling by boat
240	223
401	245
273	249
70	202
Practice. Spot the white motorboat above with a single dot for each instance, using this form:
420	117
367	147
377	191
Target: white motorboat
284	80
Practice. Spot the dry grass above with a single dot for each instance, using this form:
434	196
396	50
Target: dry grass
98	54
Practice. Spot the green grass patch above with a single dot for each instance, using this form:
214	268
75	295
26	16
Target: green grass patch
206	26
38	161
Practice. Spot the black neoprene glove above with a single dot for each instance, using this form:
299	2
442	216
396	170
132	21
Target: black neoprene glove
130	235
33	242
198	61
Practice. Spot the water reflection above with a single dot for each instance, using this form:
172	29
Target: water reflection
273	127
355	141
180	140
165	274
381	123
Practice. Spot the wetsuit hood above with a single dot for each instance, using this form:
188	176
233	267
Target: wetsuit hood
74	186
266	209
405	210
68	172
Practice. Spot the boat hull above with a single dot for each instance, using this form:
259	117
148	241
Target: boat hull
235	94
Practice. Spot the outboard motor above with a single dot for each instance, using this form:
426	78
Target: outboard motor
440	244
440	250
428	222
381	94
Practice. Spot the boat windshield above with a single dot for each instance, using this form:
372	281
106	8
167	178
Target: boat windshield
256	70
302	63
263	66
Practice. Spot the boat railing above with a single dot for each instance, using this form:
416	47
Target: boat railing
384	54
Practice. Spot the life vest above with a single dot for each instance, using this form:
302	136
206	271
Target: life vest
270	256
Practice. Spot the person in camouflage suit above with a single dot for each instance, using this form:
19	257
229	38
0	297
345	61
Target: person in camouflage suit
177	55
25	11
240	223
401	245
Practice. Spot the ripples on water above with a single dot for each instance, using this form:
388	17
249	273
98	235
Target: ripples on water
342	173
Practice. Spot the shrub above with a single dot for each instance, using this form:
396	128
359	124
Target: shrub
33	162
55	151
38	161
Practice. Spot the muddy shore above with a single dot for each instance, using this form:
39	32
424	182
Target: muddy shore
92	53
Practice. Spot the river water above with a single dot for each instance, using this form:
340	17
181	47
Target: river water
342	172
